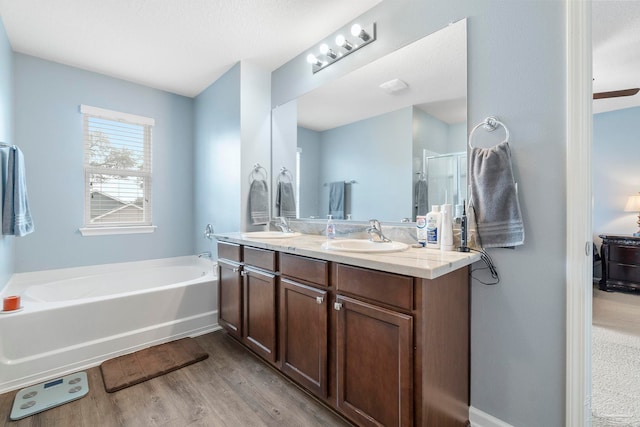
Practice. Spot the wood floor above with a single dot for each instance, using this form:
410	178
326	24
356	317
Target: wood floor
619	311
230	388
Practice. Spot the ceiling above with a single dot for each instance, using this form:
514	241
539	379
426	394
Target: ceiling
616	51
183	46
180	46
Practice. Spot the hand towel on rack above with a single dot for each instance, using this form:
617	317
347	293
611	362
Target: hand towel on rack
285	200
422	207
16	215
494	197
336	199
259	202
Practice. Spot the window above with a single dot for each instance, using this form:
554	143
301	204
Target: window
117	170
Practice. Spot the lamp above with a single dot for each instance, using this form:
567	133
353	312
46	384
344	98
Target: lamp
633	205
327	51
358	31
311	59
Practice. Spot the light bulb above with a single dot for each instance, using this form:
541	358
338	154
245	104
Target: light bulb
355	30
311	59
342	42
324	48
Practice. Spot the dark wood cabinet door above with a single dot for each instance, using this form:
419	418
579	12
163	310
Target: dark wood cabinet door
260	312
374	363
303	335
230	297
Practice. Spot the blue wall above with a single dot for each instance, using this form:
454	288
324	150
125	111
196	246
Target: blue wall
217	158
6	135
615	171
518	328
48	128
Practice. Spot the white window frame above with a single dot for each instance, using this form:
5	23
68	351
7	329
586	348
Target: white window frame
95	229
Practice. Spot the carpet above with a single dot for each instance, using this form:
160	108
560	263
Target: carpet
130	369
615	364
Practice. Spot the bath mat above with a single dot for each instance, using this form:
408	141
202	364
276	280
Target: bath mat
130	369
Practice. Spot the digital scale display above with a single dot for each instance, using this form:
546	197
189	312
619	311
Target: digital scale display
52	383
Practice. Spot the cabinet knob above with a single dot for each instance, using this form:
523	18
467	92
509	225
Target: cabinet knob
236	269
243	273
319	300
337	306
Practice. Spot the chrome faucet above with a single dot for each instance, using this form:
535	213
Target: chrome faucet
283	225
375	232
206	254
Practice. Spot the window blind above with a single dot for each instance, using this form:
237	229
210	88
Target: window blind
117	164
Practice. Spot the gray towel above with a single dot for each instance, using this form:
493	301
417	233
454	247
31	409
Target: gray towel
494	197
16	215
422	207
285	200
259	202
336	199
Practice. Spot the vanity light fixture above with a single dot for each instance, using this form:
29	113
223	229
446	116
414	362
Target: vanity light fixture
344	47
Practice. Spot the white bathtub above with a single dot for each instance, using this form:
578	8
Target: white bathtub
78	317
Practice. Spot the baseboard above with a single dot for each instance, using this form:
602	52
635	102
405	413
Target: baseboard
477	418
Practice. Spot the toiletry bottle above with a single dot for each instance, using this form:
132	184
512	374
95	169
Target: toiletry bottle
433	227
331	228
421	229
463	230
446	233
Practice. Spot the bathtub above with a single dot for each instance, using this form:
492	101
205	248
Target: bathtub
76	318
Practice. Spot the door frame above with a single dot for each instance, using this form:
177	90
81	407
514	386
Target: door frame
578	213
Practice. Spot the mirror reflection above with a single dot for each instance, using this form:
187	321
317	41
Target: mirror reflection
386	141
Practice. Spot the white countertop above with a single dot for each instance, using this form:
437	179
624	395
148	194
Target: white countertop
417	262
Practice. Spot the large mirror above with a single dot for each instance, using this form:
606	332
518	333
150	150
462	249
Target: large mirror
365	151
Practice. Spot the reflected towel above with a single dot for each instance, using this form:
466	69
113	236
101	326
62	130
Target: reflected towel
422	207
16	215
494	197
285	200
259	202
336	199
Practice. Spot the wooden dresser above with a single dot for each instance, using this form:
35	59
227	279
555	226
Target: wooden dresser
620	262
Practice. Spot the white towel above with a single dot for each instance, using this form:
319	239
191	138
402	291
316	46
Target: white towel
494	197
259	202
16	215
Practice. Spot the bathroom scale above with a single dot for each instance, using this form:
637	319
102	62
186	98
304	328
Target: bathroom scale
49	394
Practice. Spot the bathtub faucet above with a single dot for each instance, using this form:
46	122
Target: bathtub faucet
206	254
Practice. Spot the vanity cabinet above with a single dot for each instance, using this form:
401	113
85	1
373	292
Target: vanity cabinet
230	288
374	343
303	329
259	297
380	348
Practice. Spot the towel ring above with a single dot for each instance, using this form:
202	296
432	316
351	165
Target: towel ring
489	124
286	173
257	171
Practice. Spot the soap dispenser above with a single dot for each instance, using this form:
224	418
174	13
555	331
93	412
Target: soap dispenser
331	228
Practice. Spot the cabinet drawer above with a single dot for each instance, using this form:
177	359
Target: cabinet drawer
386	288
261	258
624	272
307	269
625	254
230	251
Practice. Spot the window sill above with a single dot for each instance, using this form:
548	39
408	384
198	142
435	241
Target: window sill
105	231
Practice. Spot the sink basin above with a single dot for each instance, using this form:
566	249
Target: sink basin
363	246
270	235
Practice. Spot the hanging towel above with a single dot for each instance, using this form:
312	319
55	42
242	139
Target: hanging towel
259	202
494	197
16	216
285	200
422	207
336	199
